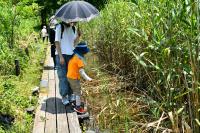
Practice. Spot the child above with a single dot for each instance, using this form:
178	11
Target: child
75	69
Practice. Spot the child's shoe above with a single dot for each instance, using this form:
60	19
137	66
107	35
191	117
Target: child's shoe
72	99
80	110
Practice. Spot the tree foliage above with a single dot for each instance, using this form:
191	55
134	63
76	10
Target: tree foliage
18	19
14	16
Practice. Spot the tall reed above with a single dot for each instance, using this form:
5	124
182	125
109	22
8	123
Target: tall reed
154	46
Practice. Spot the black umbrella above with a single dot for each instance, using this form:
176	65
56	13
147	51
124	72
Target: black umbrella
75	11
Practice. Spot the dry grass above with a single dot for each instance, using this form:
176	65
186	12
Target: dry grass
115	109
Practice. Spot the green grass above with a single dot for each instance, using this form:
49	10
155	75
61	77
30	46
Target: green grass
15	92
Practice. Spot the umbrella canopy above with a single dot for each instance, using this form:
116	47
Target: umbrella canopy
75	11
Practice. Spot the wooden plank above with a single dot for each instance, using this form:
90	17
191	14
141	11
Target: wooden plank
45	75
39	122
46	63
62	124
51	75
51	62
40	116
73	123
50	126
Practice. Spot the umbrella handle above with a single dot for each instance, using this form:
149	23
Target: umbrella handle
78	30
78	26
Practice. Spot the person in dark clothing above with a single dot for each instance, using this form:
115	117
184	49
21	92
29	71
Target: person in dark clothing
52	39
53	46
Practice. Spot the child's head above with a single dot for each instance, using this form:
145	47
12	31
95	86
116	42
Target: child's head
81	48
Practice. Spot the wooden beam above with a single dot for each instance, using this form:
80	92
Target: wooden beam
45	75
40	116
73	123
62	124
50	126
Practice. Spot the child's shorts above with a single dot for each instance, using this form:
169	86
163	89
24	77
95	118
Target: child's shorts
75	86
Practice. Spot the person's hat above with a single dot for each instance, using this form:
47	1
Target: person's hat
81	48
52	22
52	17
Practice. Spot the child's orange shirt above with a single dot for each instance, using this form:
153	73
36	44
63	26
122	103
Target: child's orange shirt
74	66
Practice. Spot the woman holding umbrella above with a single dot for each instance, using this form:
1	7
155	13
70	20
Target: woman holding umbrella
64	49
69	13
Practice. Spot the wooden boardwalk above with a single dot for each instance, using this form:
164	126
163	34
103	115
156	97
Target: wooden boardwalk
51	115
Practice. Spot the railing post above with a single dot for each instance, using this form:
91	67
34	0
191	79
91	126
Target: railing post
17	67
26	51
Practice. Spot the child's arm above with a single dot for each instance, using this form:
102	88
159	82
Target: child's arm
84	75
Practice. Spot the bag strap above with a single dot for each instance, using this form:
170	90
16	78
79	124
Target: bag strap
63	27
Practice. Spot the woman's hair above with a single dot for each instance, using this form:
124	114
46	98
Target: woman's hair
66	24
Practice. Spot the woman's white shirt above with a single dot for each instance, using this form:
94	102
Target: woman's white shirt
67	41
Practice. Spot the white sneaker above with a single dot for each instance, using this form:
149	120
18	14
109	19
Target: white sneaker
72	98
65	101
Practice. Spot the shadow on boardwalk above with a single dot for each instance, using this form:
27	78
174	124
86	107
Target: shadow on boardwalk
51	102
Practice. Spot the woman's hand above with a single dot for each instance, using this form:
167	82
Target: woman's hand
62	60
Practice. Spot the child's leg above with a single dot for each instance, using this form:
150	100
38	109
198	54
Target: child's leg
78	101
76	87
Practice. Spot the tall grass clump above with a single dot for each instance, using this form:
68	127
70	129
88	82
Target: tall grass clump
153	46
